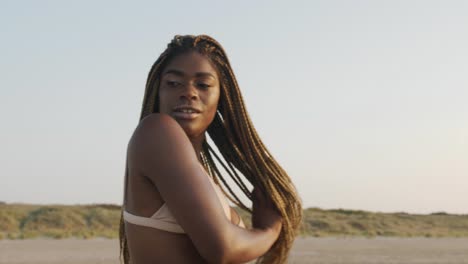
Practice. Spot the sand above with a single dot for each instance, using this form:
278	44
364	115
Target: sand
380	250
305	250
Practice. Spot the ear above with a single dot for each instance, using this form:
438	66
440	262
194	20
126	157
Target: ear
220	107
156	104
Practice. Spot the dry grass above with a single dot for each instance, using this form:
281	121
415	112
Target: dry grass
318	222
21	221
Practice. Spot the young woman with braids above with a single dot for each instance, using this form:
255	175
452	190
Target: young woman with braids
175	208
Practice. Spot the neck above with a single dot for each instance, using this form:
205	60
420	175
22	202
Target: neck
197	142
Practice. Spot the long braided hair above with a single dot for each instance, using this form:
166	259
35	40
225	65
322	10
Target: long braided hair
245	156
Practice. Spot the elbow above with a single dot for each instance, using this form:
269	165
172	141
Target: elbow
219	255
221	259
216	258
222	252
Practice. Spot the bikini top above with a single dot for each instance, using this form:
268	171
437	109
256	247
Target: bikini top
163	218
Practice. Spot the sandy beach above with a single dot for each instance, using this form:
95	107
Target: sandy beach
305	250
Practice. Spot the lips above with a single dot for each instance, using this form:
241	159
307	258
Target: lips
185	112
186	109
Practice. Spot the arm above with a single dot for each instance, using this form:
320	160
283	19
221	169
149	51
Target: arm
161	150
236	219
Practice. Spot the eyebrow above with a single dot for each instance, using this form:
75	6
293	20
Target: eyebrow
181	73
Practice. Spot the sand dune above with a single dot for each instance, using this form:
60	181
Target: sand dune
306	250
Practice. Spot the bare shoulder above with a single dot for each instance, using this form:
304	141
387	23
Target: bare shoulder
157	128
155	138
158	122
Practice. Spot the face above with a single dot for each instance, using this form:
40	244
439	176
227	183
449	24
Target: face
189	92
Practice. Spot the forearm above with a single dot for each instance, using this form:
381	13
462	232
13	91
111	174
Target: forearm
247	245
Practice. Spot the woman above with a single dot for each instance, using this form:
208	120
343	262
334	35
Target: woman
175	209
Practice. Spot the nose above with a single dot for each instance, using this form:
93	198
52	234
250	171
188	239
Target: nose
189	92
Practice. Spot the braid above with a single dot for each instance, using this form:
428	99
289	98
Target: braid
236	179
238	143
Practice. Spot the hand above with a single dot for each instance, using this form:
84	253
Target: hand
265	215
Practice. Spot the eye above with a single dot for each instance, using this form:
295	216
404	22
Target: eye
204	85
173	83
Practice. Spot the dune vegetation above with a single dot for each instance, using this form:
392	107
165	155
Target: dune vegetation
318	222
21	221
24	221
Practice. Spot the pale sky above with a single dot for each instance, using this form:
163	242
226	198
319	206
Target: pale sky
362	102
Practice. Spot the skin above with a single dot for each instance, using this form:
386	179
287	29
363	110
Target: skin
190	79
164	169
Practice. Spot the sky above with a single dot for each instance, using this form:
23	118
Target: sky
363	103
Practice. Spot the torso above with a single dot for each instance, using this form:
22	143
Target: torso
150	245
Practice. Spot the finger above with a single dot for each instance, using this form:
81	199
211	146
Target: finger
261	197
256	193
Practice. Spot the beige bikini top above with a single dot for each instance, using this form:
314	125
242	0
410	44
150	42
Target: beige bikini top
163	218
